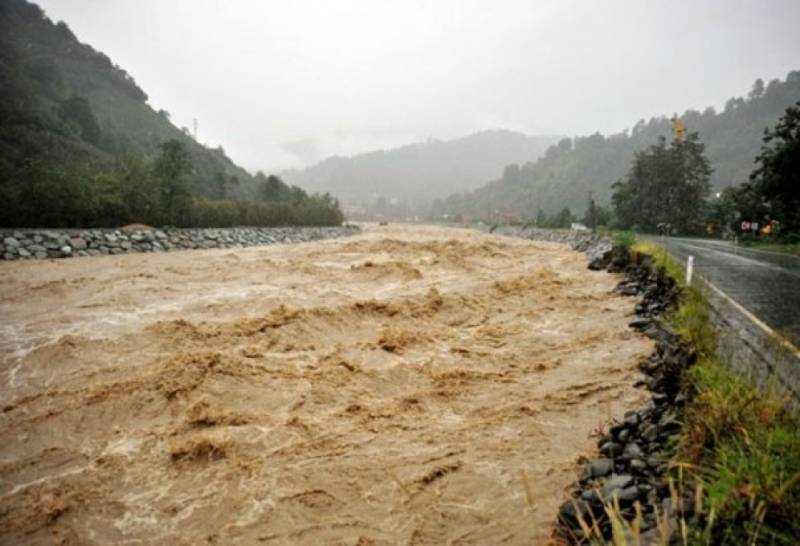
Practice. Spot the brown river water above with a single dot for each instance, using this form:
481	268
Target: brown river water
408	385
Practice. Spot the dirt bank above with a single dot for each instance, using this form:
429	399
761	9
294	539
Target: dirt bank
410	385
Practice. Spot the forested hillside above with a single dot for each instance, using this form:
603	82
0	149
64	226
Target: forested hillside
572	168
62	99
418	173
79	145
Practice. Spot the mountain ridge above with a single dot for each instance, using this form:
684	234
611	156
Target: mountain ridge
419	172
569	170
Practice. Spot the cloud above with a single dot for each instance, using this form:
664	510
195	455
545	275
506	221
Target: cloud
278	83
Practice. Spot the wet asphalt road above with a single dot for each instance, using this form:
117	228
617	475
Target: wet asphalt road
764	283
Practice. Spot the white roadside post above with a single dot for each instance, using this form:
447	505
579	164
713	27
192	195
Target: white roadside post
689	270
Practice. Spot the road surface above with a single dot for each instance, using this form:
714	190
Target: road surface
765	283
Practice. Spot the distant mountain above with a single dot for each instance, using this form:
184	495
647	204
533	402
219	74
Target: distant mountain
418	173
569	170
62	101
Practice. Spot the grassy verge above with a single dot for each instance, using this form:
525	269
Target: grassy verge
740	451
792	249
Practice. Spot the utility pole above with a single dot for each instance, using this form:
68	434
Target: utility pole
194	129
592	213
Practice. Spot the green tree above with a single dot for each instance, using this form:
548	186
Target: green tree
757	91
541	218
77	112
665	185
172	167
141	190
563	219
603	216
271	188
776	179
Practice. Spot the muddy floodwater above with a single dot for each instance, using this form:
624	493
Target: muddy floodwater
408	385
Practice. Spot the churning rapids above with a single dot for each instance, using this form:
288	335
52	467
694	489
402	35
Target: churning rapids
408	385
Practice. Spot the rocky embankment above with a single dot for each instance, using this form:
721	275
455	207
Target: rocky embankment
635	452
66	243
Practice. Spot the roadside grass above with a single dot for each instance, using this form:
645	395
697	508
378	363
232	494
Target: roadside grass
793	249
743	449
661	260
624	239
739	445
738	461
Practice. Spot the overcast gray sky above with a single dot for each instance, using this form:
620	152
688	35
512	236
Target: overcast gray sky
285	83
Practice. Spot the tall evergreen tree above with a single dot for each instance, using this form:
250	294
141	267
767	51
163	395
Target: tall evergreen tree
666	185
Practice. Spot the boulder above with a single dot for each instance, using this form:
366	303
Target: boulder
616	483
599	468
78	243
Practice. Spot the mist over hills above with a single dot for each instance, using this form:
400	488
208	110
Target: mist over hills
418	173
569	170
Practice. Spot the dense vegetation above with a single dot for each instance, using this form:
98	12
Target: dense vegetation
773	191
402	182
80	146
573	168
666	188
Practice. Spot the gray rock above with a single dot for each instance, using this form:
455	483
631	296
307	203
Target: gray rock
628	494
600	468
11	242
611	449
640	323
616	482
66	251
23	252
631	419
78	243
632	451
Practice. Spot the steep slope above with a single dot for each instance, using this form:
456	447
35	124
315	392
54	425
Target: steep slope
63	101
571	169
421	172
